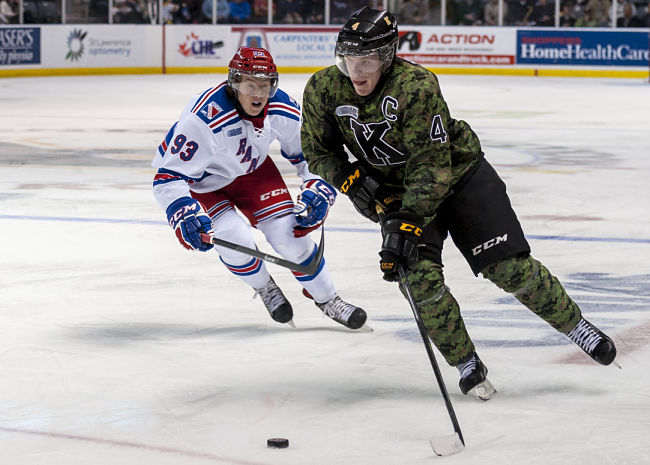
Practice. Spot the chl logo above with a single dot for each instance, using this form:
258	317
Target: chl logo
273	193
488	244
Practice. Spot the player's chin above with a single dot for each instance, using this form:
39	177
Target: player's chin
362	87
256	107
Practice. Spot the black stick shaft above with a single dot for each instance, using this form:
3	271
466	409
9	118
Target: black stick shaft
429	349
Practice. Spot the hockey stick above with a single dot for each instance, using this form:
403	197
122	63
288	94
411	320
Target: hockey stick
308	269
442	445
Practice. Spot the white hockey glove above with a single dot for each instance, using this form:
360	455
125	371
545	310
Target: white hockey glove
314	201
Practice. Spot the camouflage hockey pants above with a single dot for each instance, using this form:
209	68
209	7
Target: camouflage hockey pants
524	277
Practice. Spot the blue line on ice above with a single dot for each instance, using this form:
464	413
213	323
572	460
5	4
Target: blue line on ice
629	240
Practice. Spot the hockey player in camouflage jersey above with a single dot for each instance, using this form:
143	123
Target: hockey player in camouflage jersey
428	173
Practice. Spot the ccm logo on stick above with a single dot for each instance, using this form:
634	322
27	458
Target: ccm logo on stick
273	193
487	244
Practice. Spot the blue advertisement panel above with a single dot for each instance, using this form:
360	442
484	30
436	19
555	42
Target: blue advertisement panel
577	47
20	46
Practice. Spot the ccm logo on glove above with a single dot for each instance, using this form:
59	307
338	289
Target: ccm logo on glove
411	228
349	181
176	216
188	219
314	201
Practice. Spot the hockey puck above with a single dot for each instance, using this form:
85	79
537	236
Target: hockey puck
277	443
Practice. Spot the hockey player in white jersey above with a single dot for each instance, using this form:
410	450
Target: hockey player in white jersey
214	160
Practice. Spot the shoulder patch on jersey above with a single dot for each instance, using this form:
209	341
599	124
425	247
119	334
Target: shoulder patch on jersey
347	110
214	104
234	132
210	110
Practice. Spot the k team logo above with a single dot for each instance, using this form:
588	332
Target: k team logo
371	137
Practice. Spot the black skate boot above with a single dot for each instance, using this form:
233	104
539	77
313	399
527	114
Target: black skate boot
342	312
276	303
594	342
473	378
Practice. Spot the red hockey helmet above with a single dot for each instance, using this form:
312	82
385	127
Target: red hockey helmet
255	62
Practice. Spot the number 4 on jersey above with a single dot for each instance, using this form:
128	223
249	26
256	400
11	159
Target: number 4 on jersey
438	130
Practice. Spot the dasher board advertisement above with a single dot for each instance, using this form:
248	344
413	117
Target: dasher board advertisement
485	46
20	46
602	47
100	46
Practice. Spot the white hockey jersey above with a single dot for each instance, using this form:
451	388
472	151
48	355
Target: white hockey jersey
211	145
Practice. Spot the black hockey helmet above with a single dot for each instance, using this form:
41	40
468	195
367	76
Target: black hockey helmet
367	32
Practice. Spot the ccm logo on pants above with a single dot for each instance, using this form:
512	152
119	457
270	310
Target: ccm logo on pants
273	193
487	244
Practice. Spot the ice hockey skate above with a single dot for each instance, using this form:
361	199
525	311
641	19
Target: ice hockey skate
473	378
347	314
594	342
276	303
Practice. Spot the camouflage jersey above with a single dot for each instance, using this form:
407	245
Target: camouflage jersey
402	130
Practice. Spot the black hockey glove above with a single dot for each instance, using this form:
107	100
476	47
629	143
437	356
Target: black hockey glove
365	190
401	234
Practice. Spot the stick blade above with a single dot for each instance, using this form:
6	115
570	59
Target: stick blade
447	445
313	265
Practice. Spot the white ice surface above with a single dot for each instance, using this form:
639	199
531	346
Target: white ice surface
117	346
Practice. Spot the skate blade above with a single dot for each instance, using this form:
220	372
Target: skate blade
365	329
484	390
446	445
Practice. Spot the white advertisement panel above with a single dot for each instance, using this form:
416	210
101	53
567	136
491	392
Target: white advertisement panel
314	46
465	46
198	45
100	46
292	46
214	45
